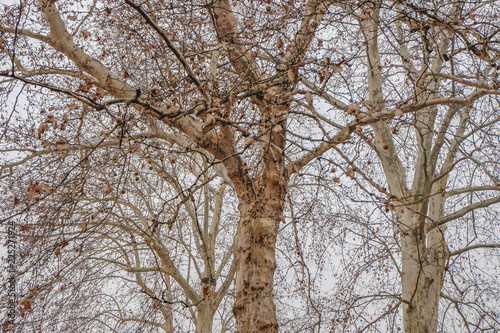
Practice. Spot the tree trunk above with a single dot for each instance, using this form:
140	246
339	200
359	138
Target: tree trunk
424	258
205	317
254	251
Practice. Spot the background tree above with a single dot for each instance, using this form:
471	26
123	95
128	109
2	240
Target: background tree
427	160
267	91
128	235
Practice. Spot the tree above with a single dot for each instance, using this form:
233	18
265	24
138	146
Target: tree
245	85
128	240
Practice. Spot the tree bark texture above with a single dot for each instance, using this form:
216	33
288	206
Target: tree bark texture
424	255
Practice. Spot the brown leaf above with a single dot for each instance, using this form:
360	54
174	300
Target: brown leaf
336	180
107	190
25	227
85	34
353	109
336	69
49	119
82	226
325	72
398	113
309	99
320	43
279	43
25	305
249	22
41	129
350	172
61	144
125	75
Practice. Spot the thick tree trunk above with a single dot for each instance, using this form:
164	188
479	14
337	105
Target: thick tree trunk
204	318
423	262
254	308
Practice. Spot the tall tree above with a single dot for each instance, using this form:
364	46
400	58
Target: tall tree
133	237
246	85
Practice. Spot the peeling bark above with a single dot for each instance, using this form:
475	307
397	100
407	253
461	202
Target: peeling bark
254	309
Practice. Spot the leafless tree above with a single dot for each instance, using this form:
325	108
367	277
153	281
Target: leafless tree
268	94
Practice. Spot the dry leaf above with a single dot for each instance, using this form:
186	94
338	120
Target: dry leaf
249	22
353	109
309	99
85	34
279	43
25	227
336	180
398	113
46	188
25	305
49	119
41	129
325	72
350	172
107	190
336	69
61	144
82	226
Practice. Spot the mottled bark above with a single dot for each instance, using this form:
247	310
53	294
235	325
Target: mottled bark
424	259
254	308
205	316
